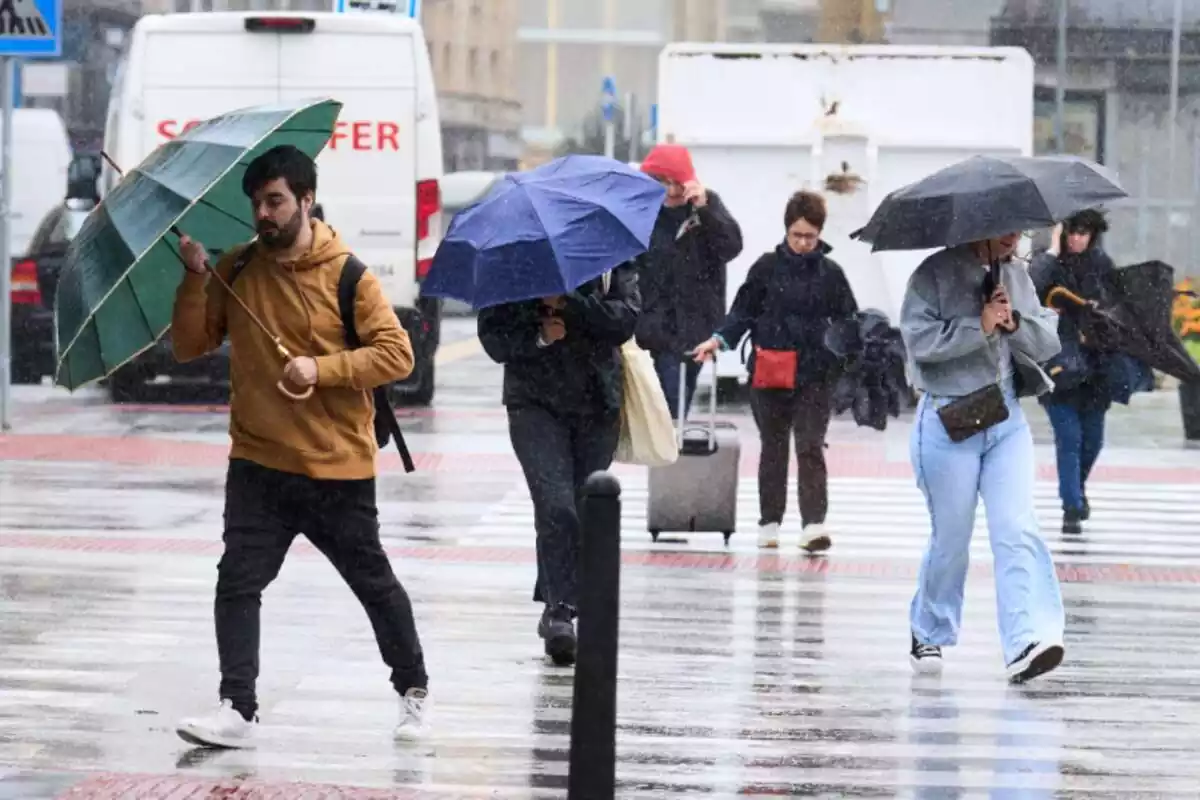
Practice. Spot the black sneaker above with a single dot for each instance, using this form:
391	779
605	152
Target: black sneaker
926	658
558	632
1037	659
1072	521
1086	512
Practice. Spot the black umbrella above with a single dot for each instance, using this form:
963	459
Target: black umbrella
987	196
1138	323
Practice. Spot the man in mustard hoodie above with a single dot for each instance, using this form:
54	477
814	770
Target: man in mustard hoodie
296	466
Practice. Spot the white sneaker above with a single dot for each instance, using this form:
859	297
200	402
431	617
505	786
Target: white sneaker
768	536
815	539
224	728
412	716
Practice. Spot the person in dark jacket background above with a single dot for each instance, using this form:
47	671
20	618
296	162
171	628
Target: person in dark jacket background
1082	396
789	299
563	387
682	280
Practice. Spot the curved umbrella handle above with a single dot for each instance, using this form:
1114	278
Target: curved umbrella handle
289	394
1066	294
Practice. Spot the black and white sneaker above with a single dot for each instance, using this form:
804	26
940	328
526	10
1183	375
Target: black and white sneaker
1037	659
926	658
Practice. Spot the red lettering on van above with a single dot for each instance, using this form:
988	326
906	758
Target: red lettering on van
169	128
357	135
365	135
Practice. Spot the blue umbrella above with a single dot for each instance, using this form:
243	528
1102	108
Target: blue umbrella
546	232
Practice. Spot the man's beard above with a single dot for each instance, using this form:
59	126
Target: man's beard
274	238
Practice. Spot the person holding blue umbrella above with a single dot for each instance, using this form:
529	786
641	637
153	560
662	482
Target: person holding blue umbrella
549	257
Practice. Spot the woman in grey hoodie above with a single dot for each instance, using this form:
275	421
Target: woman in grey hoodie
967	332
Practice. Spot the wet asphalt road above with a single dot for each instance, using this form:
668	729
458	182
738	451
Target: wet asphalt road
740	674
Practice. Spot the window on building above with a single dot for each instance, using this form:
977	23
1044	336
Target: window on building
473	63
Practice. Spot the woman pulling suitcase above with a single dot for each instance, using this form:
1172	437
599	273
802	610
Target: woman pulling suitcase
786	305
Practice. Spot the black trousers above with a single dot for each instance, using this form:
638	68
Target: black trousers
803	413
557	455
264	511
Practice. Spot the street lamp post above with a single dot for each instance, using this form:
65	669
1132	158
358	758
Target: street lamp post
1173	121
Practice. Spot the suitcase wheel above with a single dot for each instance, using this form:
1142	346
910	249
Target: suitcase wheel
654	536
728	534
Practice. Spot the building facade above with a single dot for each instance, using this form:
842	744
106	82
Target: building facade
473	49
1117	86
568	47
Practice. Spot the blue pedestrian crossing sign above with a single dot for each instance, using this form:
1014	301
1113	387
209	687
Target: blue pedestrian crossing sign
608	105
31	28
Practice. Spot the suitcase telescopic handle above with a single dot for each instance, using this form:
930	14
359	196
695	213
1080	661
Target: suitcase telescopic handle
681	410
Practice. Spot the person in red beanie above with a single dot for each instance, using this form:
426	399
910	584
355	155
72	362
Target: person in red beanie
682	276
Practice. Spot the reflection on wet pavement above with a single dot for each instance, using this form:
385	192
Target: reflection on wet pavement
739	675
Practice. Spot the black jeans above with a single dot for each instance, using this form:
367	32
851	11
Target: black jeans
804	413
264	511
557	454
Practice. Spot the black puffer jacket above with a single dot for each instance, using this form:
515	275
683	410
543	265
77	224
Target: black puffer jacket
682	276
1092	276
788	303
581	374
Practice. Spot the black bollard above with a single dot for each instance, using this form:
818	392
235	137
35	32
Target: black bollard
593	766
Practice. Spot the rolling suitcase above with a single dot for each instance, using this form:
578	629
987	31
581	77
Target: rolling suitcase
698	493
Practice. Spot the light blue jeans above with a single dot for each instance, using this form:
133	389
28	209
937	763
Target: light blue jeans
997	465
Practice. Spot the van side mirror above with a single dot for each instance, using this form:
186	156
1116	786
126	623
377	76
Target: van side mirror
83	178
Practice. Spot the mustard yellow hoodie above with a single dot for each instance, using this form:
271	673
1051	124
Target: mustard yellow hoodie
330	435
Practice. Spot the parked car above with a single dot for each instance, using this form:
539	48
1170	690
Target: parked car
34	280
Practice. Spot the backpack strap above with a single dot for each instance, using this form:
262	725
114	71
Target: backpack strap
352	272
240	263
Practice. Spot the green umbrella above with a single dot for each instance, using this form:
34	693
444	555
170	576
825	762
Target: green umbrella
117	287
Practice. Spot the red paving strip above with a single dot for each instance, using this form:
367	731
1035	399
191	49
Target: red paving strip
648	559
176	787
848	460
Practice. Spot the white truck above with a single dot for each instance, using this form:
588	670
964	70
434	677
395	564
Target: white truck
378	177
853	122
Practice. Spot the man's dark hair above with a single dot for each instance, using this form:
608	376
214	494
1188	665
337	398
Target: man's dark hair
805	205
287	162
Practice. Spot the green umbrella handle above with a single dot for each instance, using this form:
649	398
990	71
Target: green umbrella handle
289	394
282	386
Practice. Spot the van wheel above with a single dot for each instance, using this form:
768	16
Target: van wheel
124	386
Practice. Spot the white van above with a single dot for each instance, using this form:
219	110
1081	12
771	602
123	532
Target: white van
379	176
41	156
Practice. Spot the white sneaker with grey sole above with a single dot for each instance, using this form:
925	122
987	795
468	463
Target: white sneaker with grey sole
225	728
413	707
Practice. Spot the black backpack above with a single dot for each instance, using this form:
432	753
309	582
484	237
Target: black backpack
386	426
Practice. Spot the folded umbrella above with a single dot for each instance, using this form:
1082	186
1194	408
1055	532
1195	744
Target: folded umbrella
987	196
546	232
117	288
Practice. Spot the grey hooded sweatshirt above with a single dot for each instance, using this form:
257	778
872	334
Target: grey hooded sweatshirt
949	354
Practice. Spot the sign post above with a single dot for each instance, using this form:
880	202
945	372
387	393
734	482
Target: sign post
28	29
609	107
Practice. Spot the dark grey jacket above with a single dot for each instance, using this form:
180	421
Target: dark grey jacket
579	376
